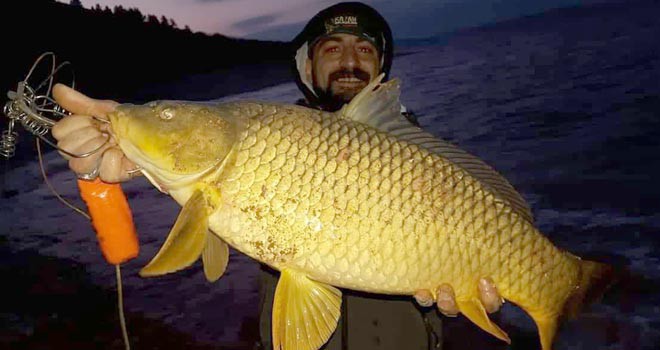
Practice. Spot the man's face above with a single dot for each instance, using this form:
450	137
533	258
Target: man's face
342	65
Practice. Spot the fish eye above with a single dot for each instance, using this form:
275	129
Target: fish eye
167	114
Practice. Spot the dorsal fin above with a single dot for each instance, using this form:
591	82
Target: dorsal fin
378	106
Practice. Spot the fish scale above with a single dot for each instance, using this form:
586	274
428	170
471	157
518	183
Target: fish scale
399	218
358	199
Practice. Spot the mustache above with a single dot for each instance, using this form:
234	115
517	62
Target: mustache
345	73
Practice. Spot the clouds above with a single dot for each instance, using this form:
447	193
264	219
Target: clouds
276	20
255	22
240	18
283	19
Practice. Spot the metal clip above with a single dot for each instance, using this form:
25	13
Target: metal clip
36	112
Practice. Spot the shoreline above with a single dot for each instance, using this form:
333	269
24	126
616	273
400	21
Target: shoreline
216	84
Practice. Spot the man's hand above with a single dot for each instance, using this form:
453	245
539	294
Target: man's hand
446	299
84	131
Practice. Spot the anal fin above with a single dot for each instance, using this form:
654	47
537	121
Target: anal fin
215	257
475	312
305	312
547	327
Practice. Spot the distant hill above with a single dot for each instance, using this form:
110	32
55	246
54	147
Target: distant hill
116	51
541	21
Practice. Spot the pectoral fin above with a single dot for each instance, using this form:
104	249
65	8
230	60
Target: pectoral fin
475	312
305	312
215	256
186	240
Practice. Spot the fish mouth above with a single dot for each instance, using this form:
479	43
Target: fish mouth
116	126
157	156
162	178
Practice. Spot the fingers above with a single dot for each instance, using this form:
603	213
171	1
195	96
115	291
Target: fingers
77	103
445	297
115	167
424	297
81	134
70	124
90	163
110	168
446	300
78	141
489	295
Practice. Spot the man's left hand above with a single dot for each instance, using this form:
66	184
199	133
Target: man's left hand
445	298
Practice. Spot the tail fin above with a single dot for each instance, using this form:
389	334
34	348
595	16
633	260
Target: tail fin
595	279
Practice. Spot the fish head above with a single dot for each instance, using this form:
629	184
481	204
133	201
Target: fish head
173	142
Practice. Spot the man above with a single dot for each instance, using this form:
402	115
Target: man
340	50
338	53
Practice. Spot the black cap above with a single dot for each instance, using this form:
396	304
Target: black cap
347	17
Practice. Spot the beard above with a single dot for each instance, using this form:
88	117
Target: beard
339	92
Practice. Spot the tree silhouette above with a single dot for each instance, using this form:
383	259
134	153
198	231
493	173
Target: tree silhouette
164	21
123	57
119	10
153	21
133	14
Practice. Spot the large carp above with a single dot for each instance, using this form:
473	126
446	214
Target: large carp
357	199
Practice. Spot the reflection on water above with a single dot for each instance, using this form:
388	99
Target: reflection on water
565	107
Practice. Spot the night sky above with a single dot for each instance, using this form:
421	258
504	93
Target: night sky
283	19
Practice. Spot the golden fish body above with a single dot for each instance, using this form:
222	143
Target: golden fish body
357	208
345	204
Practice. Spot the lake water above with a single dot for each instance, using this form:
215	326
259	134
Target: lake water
565	105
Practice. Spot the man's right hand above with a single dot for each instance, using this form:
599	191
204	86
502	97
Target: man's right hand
83	131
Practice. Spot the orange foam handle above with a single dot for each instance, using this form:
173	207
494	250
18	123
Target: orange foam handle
112	220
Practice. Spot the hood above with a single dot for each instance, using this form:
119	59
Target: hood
347	17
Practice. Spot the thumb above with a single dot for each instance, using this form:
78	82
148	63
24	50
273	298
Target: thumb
77	103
